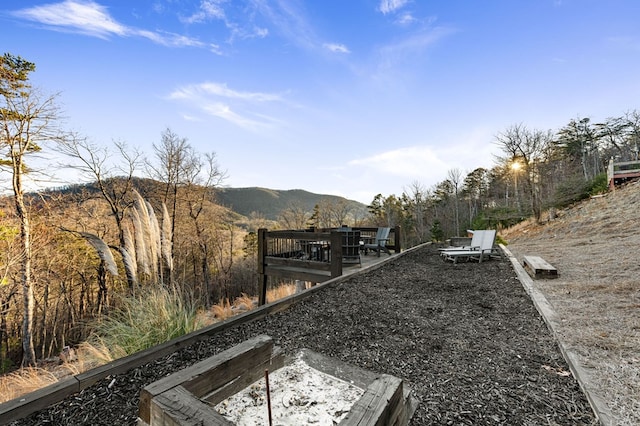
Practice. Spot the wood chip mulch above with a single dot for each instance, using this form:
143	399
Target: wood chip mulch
465	337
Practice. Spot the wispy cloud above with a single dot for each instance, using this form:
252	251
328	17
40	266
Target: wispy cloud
222	10
406	162
288	19
92	19
240	108
430	162
397	53
405	19
84	17
208	10
337	48
390	6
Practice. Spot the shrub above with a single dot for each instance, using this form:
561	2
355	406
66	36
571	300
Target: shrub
599	184
437	234
152	317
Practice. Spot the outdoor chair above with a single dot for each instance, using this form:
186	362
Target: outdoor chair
476	240
350	246
379	242
480	253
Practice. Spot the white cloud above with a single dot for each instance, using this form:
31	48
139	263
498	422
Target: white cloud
92	19
208	10
237	107
394	56
85	17
405	19
224	111
406	162
429	164
222	90
169	39
390	6
337	48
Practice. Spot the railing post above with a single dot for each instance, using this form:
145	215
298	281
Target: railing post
335	240
262	253
397	238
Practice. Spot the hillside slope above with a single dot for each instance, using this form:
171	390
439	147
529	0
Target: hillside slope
271	202
594	245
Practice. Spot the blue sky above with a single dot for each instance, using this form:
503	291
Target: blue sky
344	97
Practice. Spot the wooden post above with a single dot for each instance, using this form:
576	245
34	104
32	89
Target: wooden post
397	239
335	239
262	252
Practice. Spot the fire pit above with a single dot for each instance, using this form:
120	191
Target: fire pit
231	389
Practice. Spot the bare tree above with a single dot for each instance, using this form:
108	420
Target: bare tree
175	162
294	216
526	148
28	120
416	205
114	182
455	177
200	183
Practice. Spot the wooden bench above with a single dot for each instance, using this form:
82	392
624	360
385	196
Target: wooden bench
537	267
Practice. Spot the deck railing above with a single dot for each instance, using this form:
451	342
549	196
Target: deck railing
306	255
621	171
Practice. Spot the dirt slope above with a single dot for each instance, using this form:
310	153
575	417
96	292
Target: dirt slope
595	247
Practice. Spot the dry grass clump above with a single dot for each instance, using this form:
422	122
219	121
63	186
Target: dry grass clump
222	310
152	317
280	292
25	380
225	309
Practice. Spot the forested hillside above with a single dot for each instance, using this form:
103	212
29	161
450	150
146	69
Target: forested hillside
270	203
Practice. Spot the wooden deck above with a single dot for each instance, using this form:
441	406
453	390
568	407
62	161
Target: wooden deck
316	255
620	172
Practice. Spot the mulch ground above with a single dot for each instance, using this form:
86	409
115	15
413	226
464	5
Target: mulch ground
465	337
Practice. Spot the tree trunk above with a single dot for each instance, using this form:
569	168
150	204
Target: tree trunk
29	355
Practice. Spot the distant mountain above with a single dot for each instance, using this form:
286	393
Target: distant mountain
270	202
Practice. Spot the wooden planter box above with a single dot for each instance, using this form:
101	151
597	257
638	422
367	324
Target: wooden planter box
188	397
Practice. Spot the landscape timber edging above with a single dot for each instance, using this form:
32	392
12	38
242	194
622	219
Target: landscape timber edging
551	318
40	399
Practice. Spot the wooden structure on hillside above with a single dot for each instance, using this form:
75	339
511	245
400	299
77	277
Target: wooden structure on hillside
310	255
620	172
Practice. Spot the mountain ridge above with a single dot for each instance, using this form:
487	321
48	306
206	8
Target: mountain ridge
271	202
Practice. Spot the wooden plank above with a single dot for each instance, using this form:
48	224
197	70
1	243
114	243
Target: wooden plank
298	273
24	405
245	379
217	370
178	407
537	267
297	263
377	405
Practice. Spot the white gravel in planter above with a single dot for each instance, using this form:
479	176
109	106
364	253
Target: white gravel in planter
300	395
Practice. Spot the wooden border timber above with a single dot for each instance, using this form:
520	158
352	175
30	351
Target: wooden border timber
553	321
30	403
212	379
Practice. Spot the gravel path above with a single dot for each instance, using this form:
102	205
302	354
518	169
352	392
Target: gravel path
465	338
